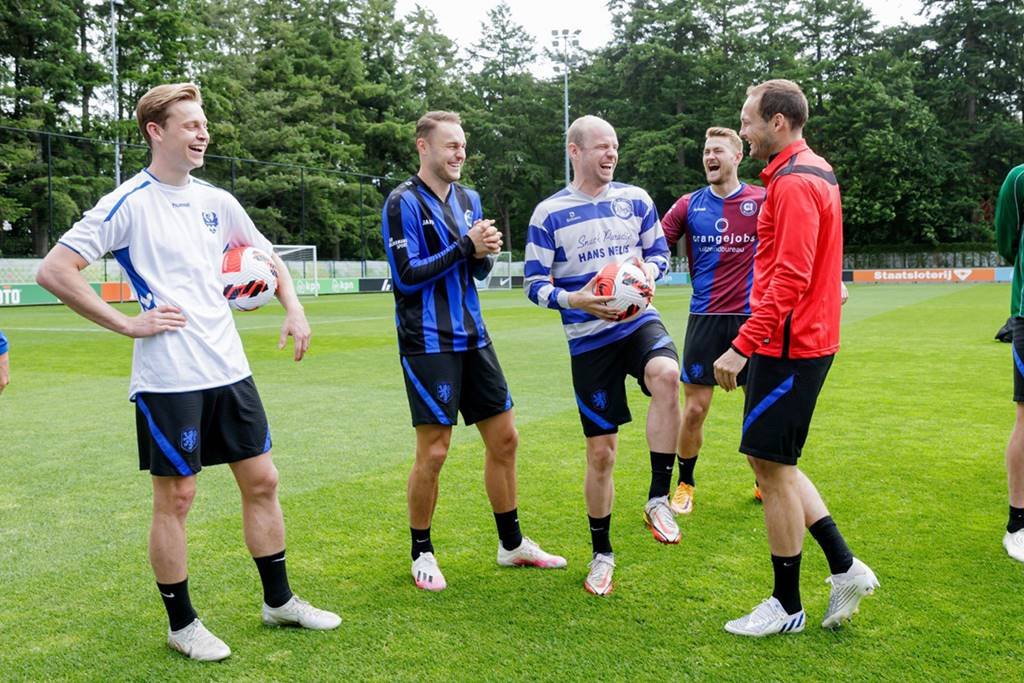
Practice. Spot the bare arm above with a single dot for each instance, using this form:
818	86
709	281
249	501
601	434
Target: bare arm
60	273
295	324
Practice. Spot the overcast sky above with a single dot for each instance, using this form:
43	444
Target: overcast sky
461	20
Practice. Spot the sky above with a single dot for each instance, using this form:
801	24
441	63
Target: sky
461	20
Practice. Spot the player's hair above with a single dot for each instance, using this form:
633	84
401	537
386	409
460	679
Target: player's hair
779	96
578	130
728	133
154	104
428	122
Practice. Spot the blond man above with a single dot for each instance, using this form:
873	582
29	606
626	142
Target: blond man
195	400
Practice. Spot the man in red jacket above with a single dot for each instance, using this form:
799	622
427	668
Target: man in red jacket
790	340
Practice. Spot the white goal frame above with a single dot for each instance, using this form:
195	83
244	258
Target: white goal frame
300	259
500	276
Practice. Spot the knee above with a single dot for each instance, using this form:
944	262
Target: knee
504	447
662	380
432	455
771	476
601	458
176	499
694	414
264	485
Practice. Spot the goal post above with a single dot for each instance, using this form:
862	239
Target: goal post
300	260
500	276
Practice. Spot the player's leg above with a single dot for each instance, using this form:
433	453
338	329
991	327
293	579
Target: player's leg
696	404
433	387
1013	539
241	438
169	447
599	492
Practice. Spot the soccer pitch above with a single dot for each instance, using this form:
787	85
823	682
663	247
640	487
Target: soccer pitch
906	448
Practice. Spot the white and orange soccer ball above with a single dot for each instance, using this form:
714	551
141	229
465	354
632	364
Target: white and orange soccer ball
627	283
249	277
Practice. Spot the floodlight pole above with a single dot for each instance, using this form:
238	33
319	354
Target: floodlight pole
113	71
563	42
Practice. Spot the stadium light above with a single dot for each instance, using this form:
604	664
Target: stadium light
113	72
564	43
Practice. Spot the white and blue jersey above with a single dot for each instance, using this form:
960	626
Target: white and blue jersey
3	344
170	240
572	236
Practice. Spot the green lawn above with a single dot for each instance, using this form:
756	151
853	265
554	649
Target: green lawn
906	448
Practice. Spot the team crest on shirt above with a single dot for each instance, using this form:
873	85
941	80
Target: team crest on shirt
189	439
696	371
599	399
444	391
468	216
748	207
210	219
623	208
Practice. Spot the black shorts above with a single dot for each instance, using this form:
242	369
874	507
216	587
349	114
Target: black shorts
181	433
777	411
599	376
707	338
440	385
1018	359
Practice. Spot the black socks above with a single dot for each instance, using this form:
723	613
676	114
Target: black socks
1016	522
508	529
787	582
274	577
177	603
661	474
420	542
686	466
599	527
838	554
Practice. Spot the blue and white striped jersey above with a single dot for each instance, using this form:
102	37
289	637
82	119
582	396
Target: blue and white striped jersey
572	236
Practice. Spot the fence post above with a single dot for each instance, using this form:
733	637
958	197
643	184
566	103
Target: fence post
302	208
362	229
232	175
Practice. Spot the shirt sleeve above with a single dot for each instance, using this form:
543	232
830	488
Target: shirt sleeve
480	267
652	239
105	227
4	346
1010	214
240	231
538	283
674	222
797	222
411	269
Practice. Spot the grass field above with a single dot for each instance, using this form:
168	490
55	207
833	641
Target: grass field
906	447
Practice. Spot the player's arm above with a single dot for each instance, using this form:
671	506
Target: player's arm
673	223
654	245
401	232
796	237
1010	215
60	273
295	324
481	267
538	283
5	363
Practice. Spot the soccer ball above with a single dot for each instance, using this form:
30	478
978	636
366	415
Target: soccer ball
249	277
627	283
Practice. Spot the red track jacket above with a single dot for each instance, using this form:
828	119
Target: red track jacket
795	299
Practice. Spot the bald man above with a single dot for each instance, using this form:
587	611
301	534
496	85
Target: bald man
573	234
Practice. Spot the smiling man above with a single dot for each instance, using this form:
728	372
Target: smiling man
573	234
195	400
719	224
437	242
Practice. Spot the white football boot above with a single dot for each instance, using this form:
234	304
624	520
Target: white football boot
528	554
767	619
196	642
298	612
599	580
847	590
1014	544
427	574
661	520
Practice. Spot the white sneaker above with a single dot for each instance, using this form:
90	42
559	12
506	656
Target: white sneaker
661	520
1014	544
528	554
847	590
427	574
196	642
767	619
599	580
298	612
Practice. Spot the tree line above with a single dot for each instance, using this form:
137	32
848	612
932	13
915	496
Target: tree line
920	122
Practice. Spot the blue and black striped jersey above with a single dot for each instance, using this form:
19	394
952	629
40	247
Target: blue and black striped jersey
437	308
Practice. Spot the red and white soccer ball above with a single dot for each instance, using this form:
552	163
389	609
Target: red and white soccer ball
627	283
249	277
